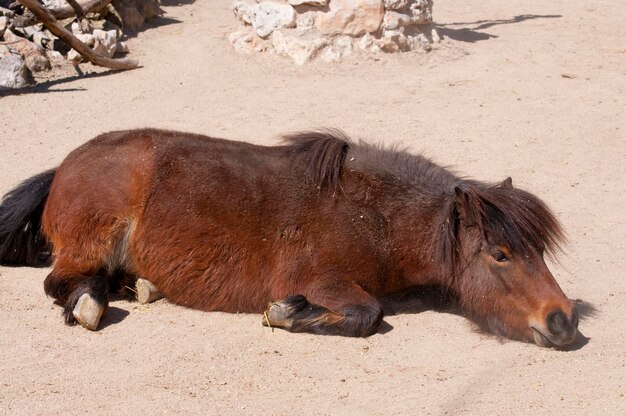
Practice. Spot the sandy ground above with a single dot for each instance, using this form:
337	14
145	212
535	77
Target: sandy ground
531	89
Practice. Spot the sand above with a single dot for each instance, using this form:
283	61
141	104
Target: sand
529	89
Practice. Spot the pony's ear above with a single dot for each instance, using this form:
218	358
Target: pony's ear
507	183
463	207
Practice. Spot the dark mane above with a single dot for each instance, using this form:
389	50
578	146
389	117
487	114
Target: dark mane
505	216
323	154
415	170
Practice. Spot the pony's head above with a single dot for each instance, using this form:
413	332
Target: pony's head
494	241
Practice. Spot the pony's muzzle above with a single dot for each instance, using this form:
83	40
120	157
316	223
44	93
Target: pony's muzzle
559	330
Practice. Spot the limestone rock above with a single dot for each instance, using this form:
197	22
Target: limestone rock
54	4
13	72
419	42
245	41
434	35
320	3
88	39
300	48
33	55
341	47
243	10
419	12
395	20
351	17
105	42
4	23
395	4
394	41
269	16
305	22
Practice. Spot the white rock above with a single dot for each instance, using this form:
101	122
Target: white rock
395	4
341	47
351	17
299	48
245	41
13	73
344	44
305	21
419	42
54	4
269	16
398	38
365	42
76	29
395	20
243	10
55	56
434	35
87	39
4	23
74	56
105	42
421	11
330	54
320	3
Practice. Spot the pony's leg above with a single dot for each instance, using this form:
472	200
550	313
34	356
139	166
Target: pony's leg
333	308
84	295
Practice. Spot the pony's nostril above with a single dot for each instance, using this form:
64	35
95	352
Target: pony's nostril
557	322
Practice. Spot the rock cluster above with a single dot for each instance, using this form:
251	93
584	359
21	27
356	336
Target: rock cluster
26	46
332	29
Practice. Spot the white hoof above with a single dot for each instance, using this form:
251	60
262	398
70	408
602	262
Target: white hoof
146	291
87	312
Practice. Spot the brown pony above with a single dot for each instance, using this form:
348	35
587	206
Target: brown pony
322	226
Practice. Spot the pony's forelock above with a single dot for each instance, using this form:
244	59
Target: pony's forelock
503	215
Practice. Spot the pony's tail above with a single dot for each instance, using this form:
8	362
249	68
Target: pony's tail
21	240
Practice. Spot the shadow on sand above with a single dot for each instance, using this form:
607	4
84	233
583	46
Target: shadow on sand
474	33
438	299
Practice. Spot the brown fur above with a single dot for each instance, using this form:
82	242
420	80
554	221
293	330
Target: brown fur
229	226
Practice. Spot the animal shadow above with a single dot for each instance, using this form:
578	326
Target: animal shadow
439	299
474	34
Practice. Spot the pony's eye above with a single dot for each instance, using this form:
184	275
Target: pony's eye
499	256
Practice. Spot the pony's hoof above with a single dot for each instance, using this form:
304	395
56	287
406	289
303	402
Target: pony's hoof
88	312
146	291
280	313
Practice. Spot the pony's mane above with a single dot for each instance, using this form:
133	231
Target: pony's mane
504	215
323	154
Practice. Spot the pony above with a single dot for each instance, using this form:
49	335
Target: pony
314	233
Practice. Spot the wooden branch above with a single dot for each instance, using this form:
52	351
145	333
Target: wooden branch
66	36
77	9
61	13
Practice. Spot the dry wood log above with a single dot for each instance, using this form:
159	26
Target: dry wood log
66	36
77	9
146	291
